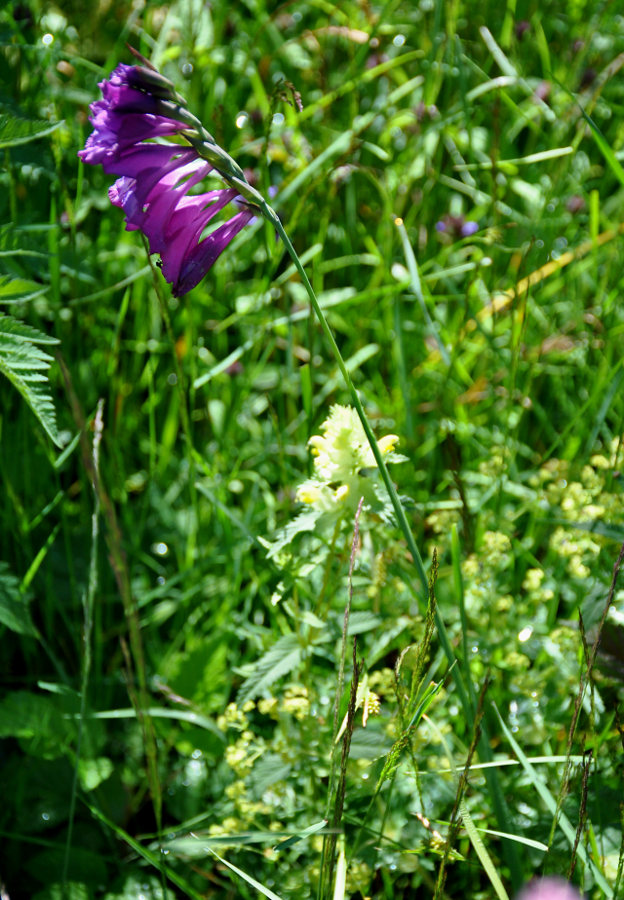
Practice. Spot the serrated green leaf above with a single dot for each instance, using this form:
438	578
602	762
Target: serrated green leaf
40	720
70	890
282	658
305	521
363	620
14	612
26	366
13	290
15	130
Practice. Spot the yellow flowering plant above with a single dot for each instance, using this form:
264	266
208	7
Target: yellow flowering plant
345	472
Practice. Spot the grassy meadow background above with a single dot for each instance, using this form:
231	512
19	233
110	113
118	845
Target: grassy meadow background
171	652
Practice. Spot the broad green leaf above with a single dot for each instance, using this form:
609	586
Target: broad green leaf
85	867
14	612
41	721
141	887
15	130
13	290
305	521
362	620
26	366
92	772
282	658
72	890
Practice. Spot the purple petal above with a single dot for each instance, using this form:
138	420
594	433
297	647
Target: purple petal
192	215
204	255
185	228
156	201
469	228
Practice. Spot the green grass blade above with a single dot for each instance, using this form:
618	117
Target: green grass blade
484	856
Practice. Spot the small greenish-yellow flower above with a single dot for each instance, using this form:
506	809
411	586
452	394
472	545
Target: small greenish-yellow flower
236	790
342	450
533	579
388	443
599	461
232	717
296	702
267	706
342	456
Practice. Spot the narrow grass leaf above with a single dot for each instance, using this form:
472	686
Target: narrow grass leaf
481	851
340	883
604	147
551	805
520	839
252	881
148	855
312	829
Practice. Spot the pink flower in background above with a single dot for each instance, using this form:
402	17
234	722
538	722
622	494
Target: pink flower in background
139	105
549	888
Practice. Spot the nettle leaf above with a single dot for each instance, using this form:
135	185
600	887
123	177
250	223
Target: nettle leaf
16	130
305	521
13	290
283	657
14	612
26	366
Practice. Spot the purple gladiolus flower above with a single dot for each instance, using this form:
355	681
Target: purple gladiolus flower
139	105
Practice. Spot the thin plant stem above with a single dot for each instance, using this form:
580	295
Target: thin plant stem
88	600
184	413
357	403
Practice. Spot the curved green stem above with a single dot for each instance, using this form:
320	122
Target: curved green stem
423	596
272	216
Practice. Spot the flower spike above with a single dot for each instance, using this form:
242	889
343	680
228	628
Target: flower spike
138	106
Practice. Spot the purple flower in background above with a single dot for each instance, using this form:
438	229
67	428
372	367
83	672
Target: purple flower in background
456	226
549	888
139	105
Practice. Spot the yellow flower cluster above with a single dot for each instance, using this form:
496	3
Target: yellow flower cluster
341	454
